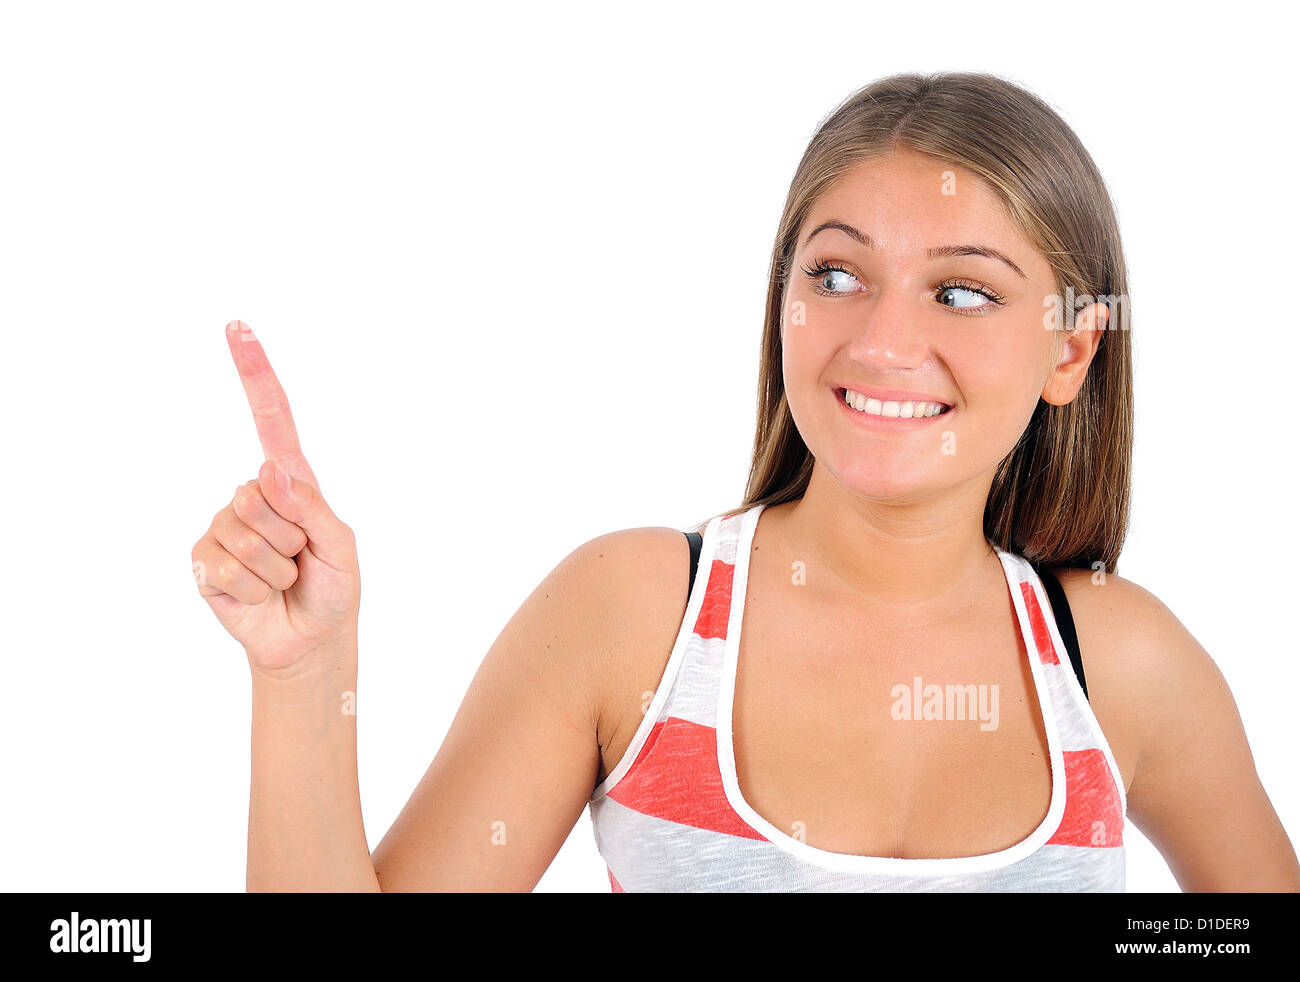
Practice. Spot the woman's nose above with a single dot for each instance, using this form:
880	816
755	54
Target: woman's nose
892	328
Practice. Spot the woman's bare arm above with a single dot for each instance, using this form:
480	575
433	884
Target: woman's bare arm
521	758
1194	790
304	813
280	571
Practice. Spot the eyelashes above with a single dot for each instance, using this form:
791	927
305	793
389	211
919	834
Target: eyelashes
822	267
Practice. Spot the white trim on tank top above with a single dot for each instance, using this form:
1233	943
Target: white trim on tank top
1072	682
690	618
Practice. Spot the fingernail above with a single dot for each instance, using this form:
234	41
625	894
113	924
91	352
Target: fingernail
281	478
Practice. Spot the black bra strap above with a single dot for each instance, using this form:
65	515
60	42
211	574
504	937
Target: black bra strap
1055	597
1064	623
696	541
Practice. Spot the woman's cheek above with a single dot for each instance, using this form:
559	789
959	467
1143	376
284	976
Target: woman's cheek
795	386
1006	417
796	362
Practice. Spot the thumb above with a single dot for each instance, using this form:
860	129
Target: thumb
298	501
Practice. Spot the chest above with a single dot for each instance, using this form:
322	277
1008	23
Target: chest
867	738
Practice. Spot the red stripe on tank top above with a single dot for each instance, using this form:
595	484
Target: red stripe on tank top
1042	637
715	611
1093	813
681	781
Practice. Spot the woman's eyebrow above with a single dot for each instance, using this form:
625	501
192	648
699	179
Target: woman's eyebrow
950	250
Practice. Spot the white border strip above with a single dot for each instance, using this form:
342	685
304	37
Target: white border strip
1075	688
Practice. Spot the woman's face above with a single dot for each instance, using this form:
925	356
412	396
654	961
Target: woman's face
880	316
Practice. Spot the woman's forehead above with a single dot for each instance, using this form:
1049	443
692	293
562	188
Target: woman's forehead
913	191
911	203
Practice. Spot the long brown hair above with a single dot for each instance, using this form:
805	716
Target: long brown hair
1060	497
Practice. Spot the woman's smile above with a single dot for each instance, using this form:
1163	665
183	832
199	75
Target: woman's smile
889	414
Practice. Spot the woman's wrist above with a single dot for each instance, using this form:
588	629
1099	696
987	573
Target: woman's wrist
321	668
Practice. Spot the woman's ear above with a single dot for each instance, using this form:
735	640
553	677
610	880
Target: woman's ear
1075	352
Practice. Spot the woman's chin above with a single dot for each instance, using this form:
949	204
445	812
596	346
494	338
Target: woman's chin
890	484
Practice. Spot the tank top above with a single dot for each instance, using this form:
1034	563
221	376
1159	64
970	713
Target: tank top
670	816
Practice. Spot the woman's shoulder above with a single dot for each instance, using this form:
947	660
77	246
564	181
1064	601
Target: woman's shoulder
1121	616
619	566
635	580
1137	656
634	583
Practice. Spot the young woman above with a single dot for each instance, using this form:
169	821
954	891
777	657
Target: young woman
874	682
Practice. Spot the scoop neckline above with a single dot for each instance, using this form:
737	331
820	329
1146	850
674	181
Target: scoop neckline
853	862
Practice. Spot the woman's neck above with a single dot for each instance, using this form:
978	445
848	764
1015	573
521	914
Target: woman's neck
915	562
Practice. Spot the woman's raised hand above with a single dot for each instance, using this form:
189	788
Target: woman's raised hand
277	566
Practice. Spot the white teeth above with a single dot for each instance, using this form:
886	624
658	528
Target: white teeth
892	408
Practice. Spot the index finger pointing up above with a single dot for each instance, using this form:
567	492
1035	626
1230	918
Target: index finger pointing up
269	403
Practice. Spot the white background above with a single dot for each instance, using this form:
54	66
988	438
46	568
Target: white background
509	263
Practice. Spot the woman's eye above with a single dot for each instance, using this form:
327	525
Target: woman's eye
981	298
829	278
833	281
